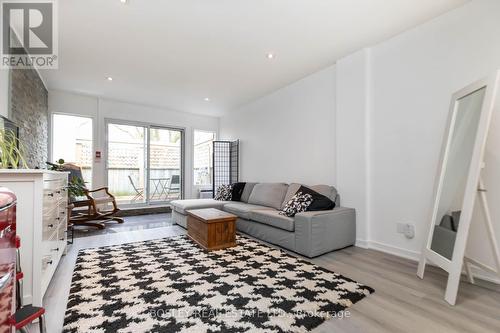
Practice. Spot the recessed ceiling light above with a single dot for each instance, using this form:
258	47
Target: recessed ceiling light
109	78
270	55
123	1
207	99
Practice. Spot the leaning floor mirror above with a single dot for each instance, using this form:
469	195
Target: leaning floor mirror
459	186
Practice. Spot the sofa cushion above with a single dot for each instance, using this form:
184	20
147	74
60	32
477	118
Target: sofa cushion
224	192
291	191
273	218
247	191
181	206
319	201
242	209
326	190
297	204
237	191
268	194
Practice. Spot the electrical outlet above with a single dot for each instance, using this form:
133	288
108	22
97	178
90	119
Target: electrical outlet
406	229
409	231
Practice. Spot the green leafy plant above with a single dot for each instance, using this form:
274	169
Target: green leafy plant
76	186
11	151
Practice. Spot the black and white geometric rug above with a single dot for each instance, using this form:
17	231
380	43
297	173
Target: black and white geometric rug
172	285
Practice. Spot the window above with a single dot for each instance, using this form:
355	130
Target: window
203	163
72	142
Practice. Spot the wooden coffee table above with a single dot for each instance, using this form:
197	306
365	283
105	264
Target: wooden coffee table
211	228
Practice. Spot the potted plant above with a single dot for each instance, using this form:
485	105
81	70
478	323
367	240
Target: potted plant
11	151
76	186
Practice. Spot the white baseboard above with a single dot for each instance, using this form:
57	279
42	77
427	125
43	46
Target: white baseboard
362	243
415	256
481	275
397	251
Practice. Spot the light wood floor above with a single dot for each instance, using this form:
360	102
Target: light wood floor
401	303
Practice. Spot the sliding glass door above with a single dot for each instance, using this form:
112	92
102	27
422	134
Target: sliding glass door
144	163
127	162
165	164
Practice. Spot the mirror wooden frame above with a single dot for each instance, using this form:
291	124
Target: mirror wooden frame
455	265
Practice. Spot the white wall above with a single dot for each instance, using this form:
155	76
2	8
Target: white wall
352	131
4	92
412	78
101	109
288	136
382	146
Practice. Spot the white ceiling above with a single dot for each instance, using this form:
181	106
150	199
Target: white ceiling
174	53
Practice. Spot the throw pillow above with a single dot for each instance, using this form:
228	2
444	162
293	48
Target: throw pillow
224	193
237	191
320	202
297	204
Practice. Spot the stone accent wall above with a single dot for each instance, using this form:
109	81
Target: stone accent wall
29	110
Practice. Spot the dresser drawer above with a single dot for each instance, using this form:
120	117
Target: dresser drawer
55	209
50	213
55	184
50	197
61	239
61	231
49	229
53	197
47	261
62	212
54	217
50	248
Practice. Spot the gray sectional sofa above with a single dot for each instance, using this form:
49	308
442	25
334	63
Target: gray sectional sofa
309	233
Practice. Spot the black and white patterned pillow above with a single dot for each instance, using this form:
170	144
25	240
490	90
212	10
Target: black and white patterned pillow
224	193
297	204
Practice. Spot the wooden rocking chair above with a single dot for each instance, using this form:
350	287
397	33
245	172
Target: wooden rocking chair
93	215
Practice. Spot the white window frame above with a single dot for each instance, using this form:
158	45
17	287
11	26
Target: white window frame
182	130
51	137
192	157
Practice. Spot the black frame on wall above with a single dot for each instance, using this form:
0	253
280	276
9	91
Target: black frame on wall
8	125
226	156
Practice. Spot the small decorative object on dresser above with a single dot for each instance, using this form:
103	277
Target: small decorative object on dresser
211	228
41	221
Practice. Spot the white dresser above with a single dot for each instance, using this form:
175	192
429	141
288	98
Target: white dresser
42	200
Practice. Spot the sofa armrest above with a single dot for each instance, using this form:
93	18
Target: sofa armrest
324	231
